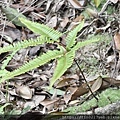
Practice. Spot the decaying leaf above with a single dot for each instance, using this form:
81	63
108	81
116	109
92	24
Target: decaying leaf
35	101
64	82
96	85
50	103
53	22
69	93
75	3
117	40
64	22
24	92
11	32
92	13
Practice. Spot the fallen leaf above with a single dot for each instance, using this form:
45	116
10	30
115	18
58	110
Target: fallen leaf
75	3
96	85
117	40
92	13
50	103
64	22
11	32
35	101
24	92
64	82
110	59
73	92
79	18
53	22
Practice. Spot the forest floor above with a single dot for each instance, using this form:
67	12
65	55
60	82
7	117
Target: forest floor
97	63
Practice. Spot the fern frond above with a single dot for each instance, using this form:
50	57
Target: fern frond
6	61
41	60
86	42
70	39
63	64
25	44
41	29
3	72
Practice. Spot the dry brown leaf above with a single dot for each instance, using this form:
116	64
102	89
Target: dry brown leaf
53	22
96	85
24	92
79	18
64	82
69	93
73	25
35	101
75	3
11	32
117	40
64	22
73	92
49	103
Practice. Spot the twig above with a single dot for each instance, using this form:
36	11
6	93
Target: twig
85	80
115	60
104	7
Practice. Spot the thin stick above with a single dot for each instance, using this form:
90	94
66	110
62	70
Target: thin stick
85	80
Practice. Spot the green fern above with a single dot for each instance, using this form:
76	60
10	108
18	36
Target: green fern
7	60
63	63
64	56
41	29
26	43
87	42
70	39
41	60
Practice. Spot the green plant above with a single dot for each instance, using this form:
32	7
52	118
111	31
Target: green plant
106	97
63	55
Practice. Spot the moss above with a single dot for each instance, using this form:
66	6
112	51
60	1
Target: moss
108	96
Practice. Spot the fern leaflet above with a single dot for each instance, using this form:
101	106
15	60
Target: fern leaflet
70	39
86	42
25	44
41	29
63	64
41	60
6	61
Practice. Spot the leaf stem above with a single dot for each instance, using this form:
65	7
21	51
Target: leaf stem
85	80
